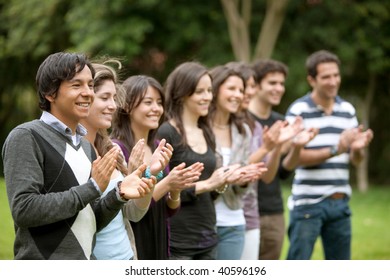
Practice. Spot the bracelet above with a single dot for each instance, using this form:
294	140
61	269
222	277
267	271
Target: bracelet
223	190
171	199
148	174
121	194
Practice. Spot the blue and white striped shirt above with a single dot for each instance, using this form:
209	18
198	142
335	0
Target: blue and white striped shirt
313	184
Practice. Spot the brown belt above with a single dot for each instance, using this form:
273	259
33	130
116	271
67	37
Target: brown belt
338	195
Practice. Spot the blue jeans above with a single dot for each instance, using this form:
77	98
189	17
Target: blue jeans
330	219
231	242
201	254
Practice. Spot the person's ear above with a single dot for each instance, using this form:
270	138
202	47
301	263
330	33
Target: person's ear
50	98
311	81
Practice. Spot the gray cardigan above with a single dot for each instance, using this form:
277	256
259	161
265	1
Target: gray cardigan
241	149
55	206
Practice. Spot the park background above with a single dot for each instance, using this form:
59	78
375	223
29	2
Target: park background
151	37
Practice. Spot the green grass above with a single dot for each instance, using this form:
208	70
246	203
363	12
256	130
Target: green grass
7	234
370	225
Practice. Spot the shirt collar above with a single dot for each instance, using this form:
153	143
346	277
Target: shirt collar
52	121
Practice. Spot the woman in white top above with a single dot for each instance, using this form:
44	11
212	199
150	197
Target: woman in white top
233	139
115	240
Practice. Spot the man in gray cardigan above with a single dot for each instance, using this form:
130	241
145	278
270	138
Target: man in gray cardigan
54	181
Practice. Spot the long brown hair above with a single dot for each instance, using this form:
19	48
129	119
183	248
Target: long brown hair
181	83
246	72
102	141
135	88
219	75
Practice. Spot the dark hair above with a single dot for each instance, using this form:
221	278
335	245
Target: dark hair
181	83
102	141
247	72
219	75
55	69
135	88
264	66
319	57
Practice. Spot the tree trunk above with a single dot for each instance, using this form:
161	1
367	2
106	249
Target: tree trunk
238	25
273	21
362	169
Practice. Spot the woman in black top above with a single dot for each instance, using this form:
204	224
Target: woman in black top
188	94
134	127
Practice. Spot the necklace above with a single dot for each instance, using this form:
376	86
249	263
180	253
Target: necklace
226	126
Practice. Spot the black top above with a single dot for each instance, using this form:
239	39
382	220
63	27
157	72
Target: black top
193	227
151	233
270	195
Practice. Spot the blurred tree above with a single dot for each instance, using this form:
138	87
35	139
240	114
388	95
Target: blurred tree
152	37
238	16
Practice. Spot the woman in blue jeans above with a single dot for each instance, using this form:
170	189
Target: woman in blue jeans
233	144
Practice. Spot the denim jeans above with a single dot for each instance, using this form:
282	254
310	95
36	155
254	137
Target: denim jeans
231	242
201	254
330	219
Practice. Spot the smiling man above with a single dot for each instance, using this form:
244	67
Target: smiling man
270	79
319	205
52	185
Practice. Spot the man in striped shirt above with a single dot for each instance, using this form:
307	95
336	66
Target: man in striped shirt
321	191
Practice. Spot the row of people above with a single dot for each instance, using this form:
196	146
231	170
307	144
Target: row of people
197	168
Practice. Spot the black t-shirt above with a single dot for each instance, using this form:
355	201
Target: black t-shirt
151	232
270	195
193	226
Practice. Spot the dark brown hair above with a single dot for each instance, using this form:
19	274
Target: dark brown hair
55	69
135	88
319	57
181	83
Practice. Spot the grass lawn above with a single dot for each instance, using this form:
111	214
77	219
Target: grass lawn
7	234
370	225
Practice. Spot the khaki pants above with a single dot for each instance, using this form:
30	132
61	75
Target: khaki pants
272	230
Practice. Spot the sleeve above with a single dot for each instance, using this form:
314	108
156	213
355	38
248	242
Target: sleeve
165	132
24	176
132	212
244	156
106	208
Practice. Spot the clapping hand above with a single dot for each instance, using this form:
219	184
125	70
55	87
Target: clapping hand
220	176
134	186
160	157
103	167
137	155
181	177
305	136
247	173
289	131
271	135
362	140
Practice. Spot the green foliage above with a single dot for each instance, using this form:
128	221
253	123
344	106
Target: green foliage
29	27
152	37
110	27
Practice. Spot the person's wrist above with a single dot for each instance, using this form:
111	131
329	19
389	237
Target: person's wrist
148	174
334	150
119	191
221	189
174	197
